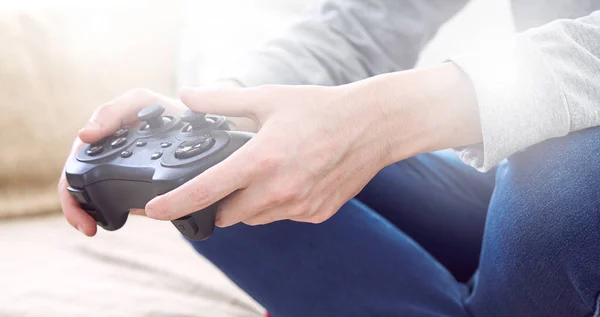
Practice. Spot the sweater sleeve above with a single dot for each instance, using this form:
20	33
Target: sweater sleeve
341	41
545	83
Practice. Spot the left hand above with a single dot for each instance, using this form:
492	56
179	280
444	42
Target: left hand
319	146
316	149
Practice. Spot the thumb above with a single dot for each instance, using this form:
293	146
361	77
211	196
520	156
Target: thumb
233	102
121	111
103	122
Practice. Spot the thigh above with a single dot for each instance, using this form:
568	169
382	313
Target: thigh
354	264
541	249
438	201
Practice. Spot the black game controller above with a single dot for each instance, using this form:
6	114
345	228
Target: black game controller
126	170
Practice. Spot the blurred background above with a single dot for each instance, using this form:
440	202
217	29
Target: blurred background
58	61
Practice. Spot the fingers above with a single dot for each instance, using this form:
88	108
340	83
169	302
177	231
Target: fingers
202	191
240	206
264	202
111	116
235	102
137	212
76	216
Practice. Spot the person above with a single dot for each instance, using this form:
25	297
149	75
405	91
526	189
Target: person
345	203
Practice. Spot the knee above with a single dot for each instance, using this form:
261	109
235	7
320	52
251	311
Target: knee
550	196
543	224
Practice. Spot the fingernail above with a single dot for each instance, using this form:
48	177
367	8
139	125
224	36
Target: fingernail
218	220
150	210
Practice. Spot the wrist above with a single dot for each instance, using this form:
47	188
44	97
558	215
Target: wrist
423	110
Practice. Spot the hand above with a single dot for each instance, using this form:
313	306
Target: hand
317	148
108	118
236	123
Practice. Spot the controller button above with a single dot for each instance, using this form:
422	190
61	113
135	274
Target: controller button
165	144
156	155
126	154
140	143
118	142
94	149
189	149
121	133
148	127
79	195
186	225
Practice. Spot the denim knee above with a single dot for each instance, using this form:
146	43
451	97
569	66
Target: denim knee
555	187
545	218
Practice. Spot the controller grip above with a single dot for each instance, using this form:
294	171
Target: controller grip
199	225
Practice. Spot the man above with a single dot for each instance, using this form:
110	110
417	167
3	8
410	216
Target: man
401	228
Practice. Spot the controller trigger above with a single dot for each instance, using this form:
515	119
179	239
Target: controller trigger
199	225
186	226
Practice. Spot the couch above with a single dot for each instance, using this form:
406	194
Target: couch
56	65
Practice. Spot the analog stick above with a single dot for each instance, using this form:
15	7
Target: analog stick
196	120
152	116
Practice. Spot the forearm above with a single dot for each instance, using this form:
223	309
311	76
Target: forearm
420	111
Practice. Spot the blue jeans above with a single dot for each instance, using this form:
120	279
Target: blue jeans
528	233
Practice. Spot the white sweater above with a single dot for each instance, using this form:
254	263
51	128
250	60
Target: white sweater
543	84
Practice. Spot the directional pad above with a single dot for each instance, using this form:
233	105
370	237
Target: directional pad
194	147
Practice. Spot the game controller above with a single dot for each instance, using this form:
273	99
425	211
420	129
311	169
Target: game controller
127	169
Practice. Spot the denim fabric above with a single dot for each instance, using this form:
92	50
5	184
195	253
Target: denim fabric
530	232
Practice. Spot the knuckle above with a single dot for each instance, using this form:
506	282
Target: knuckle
254	222
139	96
288	194
292	192
299	210
105	113
285	195
104	110
319	217
140	93
268	162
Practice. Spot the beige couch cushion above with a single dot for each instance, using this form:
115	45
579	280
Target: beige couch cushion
146	269
56	66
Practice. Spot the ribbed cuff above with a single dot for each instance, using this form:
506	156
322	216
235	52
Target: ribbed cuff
519	101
